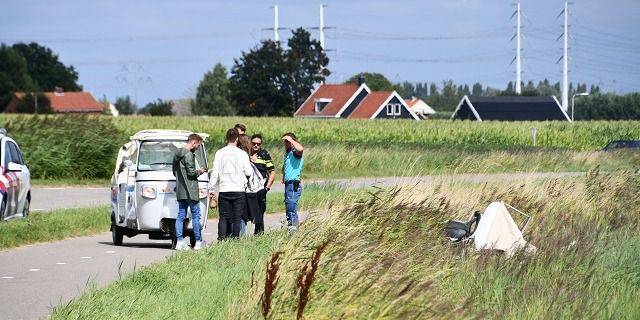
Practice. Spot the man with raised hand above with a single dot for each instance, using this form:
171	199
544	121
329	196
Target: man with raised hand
291	172
184	169
231	167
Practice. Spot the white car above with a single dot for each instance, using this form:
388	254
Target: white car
15	182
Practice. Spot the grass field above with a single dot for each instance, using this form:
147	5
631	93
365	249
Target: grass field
386	256
337	148
55	225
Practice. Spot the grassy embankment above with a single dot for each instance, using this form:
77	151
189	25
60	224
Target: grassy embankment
65	223
386	257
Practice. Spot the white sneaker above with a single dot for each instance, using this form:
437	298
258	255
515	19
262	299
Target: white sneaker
199	245
181	245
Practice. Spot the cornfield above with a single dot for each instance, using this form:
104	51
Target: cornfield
581	136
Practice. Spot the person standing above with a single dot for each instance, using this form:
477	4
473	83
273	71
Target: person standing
229	175
184	169
291	171
265	166
255	184
241	128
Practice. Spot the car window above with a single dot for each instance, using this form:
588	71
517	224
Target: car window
7	155
15	153
158	155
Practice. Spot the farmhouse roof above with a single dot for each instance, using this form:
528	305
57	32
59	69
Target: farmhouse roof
339	94
510	108
370	105
419	106
63	102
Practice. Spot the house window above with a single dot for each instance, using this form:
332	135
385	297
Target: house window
390	109
396	111
321	103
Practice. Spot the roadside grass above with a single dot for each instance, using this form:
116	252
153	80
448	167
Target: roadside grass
55	225
190	285
69	182
387	257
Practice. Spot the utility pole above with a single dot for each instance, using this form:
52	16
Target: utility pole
276	36
565	60
518	59
518	67
276	24
321	28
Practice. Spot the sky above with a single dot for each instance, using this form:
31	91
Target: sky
152	49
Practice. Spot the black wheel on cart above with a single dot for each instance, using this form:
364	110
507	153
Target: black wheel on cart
116	235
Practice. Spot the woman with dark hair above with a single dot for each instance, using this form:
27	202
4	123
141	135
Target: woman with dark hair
255	183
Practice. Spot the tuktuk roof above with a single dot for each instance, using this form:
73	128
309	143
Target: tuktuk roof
164	134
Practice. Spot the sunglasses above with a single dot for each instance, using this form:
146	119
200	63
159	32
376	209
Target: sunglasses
256	143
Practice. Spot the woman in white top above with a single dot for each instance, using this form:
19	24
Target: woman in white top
255	183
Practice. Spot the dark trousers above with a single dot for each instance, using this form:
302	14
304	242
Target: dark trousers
262	203
231	206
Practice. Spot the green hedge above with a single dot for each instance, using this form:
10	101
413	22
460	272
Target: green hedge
76	147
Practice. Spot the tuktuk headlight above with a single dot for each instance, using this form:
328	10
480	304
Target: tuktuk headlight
149	192
203	193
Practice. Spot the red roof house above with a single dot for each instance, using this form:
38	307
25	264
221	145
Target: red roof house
64	102
353	101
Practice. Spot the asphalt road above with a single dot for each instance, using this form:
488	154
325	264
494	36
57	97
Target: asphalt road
36	278
48	198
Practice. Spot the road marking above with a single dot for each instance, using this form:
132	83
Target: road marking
34	270
61	263
7	277
53	188
111	251
85	257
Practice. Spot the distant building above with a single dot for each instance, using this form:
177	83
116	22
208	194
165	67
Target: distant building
352	101
63	102
419	107
510	108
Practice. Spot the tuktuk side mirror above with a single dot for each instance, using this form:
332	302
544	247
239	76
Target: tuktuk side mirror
14	167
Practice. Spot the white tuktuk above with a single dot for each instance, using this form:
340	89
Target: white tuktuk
143	187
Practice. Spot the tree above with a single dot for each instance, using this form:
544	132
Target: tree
375	81
477	89
125	105
29	104
14	75
258	83
212	96
157	108
306	62
46	70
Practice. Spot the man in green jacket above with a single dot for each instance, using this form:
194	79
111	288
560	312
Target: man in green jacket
184	169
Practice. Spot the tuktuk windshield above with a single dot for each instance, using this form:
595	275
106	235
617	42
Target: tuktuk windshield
158	155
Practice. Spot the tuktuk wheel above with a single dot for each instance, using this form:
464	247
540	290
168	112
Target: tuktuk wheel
116	235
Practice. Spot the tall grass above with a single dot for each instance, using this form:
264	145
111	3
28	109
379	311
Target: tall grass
85	147
387	257
55	225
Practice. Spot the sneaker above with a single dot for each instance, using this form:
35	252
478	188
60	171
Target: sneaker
199	245
181	245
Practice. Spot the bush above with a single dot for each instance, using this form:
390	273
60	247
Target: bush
66	146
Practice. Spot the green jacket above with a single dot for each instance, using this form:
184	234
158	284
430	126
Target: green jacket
184	168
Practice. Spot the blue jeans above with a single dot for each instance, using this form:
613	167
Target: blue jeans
291	198
195	218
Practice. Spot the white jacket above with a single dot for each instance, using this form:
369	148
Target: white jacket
231	167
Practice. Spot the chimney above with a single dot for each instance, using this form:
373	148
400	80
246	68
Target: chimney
360	79
58	91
